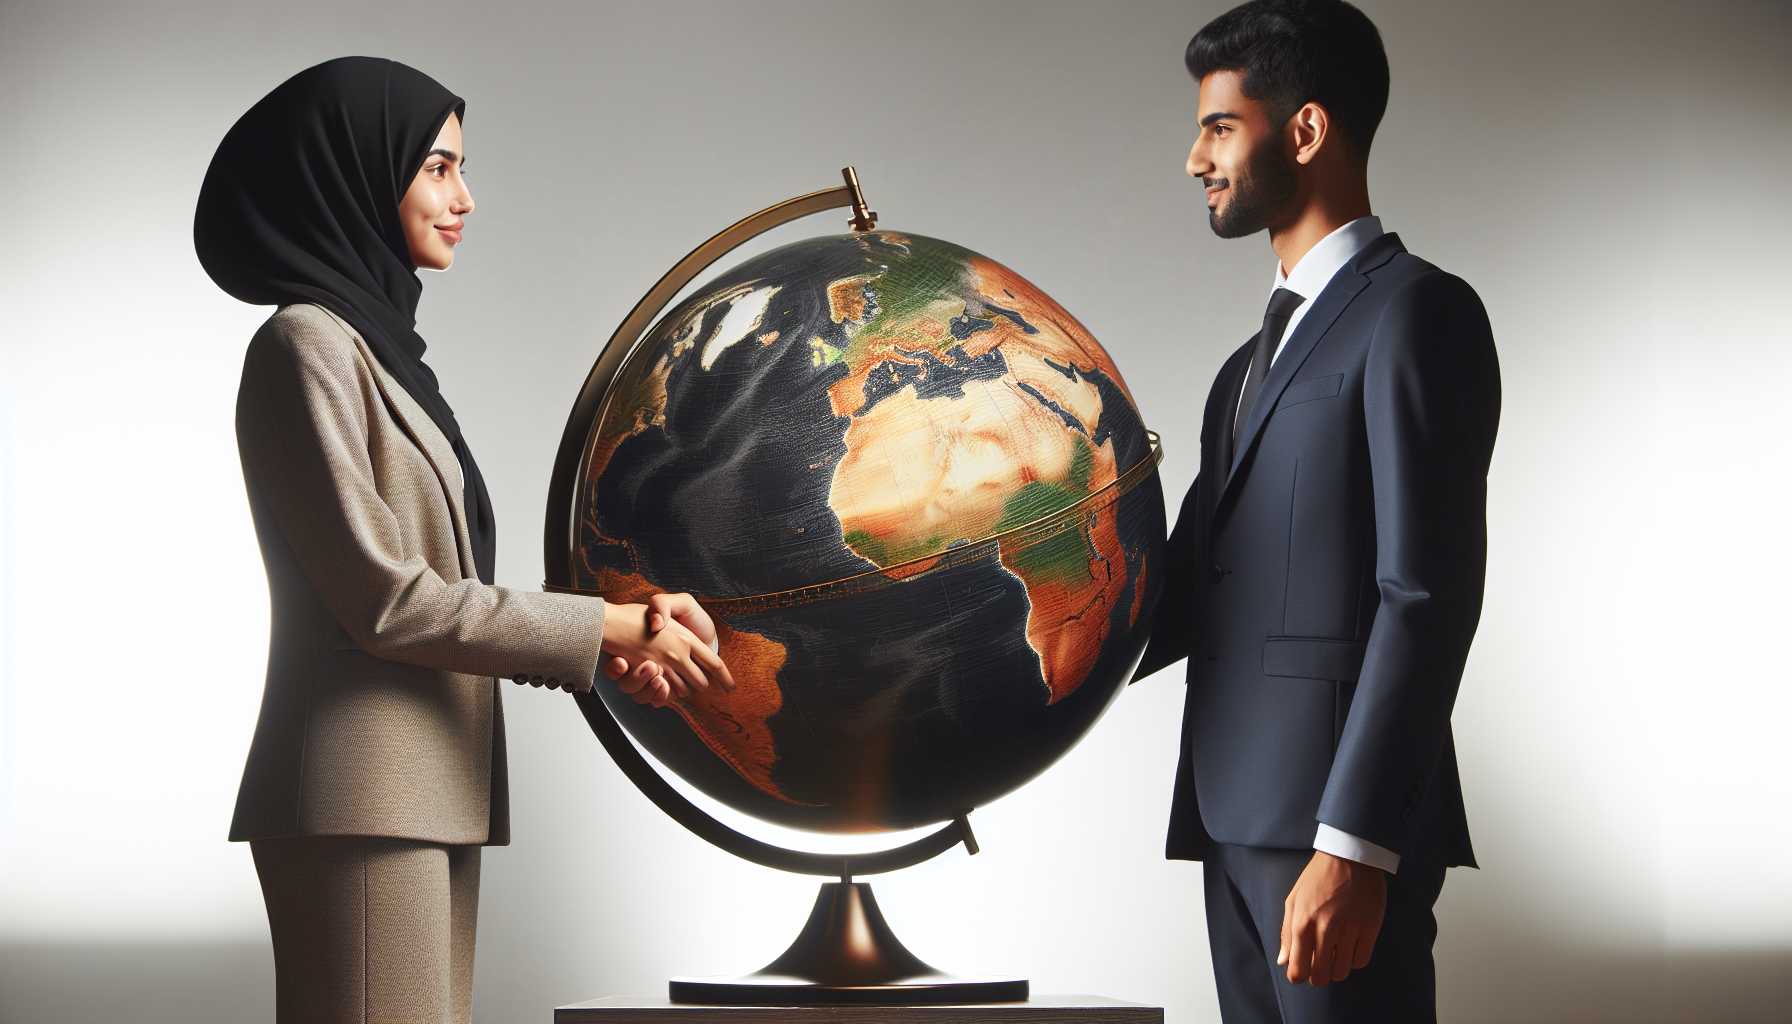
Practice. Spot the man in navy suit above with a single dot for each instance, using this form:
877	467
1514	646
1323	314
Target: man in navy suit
1326	568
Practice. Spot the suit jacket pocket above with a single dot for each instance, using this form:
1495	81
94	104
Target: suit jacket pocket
1314	387
1313	657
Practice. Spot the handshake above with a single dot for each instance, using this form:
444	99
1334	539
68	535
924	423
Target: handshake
671	643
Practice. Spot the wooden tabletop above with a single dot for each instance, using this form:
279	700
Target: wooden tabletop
1038	1010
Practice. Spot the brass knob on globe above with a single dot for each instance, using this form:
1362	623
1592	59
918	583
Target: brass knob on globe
863	218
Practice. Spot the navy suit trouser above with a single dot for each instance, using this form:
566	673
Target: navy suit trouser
1246	888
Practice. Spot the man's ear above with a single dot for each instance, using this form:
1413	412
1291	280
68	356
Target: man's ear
1310	129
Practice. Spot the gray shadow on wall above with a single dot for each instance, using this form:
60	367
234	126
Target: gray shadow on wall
148	982
1502	953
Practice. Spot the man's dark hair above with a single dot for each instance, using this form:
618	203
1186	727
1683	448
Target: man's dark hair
1294	51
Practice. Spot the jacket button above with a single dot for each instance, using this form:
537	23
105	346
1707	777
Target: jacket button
1219	572
519	679
554	681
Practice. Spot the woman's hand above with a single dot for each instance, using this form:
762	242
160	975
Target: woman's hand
683	609
671	658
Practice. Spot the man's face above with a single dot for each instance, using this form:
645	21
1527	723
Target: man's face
1239	156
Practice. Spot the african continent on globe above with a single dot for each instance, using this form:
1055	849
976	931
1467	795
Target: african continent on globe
919	501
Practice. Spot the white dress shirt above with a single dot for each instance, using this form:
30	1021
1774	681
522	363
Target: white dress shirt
1311	274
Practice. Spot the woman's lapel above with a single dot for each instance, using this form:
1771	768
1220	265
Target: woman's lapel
428	438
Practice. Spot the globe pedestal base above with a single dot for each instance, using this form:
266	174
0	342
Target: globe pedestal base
846	954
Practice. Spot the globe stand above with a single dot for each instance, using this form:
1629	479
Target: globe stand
846	954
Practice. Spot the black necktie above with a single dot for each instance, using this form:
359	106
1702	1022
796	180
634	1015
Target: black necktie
1282	304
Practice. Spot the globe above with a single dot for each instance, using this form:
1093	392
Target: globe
919	502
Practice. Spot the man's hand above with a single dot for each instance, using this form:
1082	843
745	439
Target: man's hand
685	609
1331	919
650	682
671	663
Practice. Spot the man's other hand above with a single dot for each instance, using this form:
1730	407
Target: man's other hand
1331	919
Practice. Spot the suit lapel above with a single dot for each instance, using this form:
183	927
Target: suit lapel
1331	302
1231	382
428	438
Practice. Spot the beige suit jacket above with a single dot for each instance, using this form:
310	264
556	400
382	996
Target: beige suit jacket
381	714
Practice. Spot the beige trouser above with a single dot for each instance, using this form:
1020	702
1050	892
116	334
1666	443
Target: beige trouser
369	930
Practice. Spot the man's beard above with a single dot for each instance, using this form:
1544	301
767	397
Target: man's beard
1263	185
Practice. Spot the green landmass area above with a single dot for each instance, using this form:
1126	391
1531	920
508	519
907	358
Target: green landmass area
885	554
1063	555
931	271
1082	463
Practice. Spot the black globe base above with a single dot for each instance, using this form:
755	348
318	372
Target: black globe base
846	955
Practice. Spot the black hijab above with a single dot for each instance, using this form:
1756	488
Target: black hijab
300	204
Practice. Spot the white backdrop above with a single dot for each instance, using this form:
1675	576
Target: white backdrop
1609	176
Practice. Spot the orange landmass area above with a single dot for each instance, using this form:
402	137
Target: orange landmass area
1067	621
918	475
846	299
913	568
1059	332
733	725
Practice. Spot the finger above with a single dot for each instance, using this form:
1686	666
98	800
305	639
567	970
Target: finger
689	669
645	672
651	694
633	683
662	607
1365	948
1316	952
644	686
658	689
1319	971
714	665
616	668
688	613
1343	956
680	686
1300	951
1287	923
697	621
1325	954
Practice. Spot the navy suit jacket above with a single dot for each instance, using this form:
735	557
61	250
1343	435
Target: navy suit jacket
1325	585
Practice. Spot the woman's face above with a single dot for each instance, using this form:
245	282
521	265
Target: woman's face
434	207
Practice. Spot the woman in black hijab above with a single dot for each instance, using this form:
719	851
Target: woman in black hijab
377	769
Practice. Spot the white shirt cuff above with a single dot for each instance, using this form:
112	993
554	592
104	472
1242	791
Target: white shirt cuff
1339	843
715	646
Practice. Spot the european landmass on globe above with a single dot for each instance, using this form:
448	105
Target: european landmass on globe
920	503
